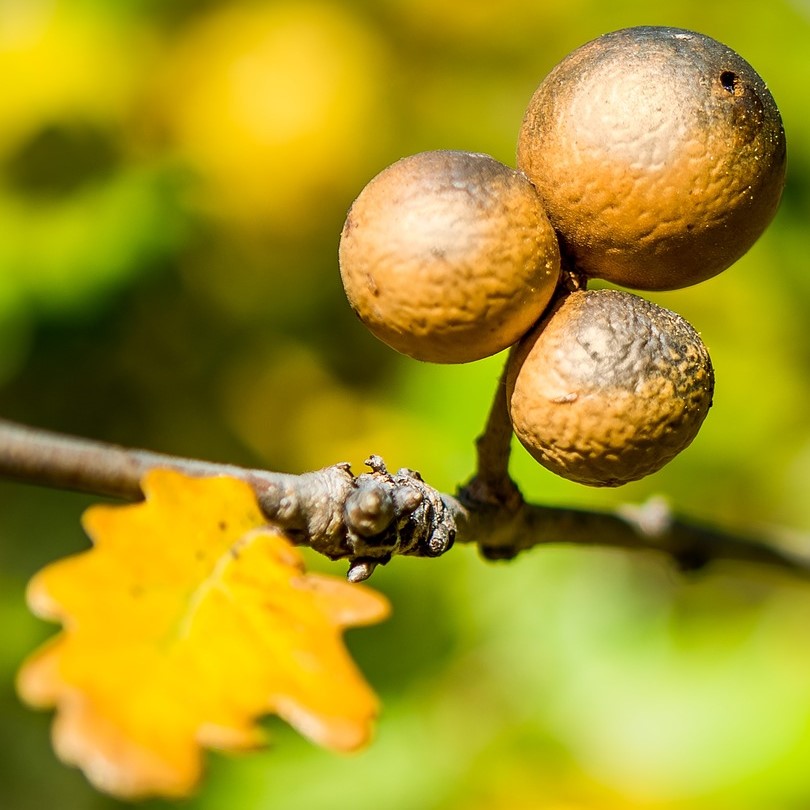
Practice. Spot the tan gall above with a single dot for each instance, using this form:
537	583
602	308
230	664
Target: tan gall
659	154
448	256
608	388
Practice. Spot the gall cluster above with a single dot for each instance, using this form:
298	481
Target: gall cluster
651	158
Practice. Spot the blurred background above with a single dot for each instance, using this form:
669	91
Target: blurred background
173	182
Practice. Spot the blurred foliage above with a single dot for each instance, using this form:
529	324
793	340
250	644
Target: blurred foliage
173	181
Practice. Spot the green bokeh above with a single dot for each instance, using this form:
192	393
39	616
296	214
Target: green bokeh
141	304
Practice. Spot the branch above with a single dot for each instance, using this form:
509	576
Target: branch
650	527
366	518
369	518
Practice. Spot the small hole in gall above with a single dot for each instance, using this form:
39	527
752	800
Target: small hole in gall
730	82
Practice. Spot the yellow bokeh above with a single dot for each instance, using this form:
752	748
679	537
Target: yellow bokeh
60	65
275	106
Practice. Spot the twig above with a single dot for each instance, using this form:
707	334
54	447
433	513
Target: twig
690	545
369	518
366	518
491	483
67	462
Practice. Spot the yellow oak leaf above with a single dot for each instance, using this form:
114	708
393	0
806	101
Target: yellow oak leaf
188	620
